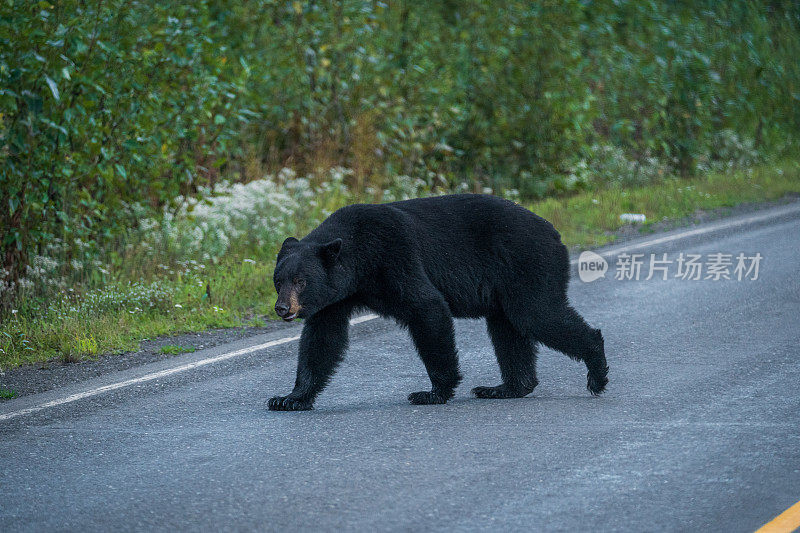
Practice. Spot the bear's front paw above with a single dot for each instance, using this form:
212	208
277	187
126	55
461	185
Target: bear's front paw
285	403
596	381
426	398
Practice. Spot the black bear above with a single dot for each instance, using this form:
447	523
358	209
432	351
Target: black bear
423	262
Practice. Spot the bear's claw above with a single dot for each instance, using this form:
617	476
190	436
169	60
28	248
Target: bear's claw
498	392
426	398
596	381
285	403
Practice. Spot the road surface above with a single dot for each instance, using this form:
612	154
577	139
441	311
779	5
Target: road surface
699	428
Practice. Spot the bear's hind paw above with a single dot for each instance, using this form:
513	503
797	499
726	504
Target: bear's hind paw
285	403
426	398
498	392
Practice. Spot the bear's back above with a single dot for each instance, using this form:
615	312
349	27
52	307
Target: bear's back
472	245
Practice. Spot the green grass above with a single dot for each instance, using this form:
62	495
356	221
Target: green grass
92	322
590	219
69	331
174	349
7	394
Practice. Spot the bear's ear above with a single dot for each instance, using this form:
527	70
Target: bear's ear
288	241
330	251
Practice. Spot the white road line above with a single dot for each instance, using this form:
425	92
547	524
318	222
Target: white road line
164	373
693	233
364	318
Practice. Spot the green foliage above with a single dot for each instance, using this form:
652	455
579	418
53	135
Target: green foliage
174	349
7	394
114	112
106	107
81	346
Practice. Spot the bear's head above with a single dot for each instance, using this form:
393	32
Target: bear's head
304	279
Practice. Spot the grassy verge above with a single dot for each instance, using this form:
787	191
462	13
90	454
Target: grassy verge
591	219
174	349
237	290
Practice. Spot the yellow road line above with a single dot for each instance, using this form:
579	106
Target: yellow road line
786	522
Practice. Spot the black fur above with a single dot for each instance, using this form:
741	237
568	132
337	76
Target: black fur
424	262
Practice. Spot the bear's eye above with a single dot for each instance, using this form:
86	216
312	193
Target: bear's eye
300	283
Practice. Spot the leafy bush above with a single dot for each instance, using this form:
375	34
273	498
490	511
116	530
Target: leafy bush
606	164
245	219
730	150
105	106
253	216
116	112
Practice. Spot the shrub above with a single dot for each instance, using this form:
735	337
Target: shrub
118	112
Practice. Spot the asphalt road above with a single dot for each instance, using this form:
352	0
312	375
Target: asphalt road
699	428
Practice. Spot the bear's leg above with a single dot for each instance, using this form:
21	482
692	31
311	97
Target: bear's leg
566	331
431	327
322	346
516	355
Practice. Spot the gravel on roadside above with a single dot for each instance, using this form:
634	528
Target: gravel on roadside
41	377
